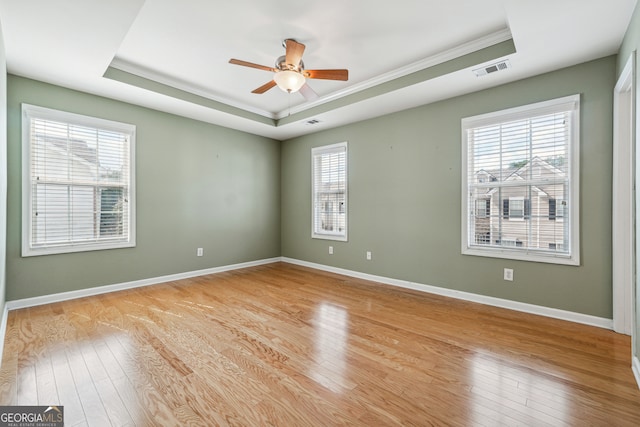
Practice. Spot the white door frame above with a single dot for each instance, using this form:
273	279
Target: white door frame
623	215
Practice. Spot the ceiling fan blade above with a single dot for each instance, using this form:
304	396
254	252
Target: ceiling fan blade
308	93
252	65
265	87
327	74
294	52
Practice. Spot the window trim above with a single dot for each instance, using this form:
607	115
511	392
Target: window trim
566	103
341	237
33	111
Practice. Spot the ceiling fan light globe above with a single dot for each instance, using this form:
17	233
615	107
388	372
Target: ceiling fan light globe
289	81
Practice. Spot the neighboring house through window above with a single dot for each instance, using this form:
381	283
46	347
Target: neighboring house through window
78	190
522	165
329	170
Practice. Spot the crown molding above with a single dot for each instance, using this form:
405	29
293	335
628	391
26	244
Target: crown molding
149	74
430	61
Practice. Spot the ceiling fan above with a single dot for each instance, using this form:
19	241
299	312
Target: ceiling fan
290	75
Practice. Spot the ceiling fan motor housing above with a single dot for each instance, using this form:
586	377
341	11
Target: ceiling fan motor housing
281	64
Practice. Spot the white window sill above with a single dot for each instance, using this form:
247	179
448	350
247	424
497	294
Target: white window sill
523	255
338	238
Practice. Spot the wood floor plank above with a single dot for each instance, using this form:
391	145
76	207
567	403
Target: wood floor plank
117	412
144	403
285	345
92	404
46	383
27	386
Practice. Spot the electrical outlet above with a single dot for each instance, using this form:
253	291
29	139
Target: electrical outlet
330	250
508	274
368	255
200	252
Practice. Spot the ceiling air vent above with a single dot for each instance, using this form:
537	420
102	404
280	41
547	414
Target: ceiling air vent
492	68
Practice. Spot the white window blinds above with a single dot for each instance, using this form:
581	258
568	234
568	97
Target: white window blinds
77	184
329	170
522	164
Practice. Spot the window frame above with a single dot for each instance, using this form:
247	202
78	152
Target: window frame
567	103
30	112
318	151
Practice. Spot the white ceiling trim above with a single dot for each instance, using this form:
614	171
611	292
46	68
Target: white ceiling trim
128	67
430	61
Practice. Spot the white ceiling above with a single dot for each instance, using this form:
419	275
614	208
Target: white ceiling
187	45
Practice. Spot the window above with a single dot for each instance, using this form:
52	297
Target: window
531	155
515	207
78	192
483	208
557	209
329	169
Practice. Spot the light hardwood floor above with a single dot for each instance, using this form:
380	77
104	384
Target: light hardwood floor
289	346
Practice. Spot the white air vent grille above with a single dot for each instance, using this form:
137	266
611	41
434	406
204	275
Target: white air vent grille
492	68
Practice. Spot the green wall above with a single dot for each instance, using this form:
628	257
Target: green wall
198	185
405	204
242	197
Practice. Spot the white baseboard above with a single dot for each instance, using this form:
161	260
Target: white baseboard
65	296
635	366
467	296
3	329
